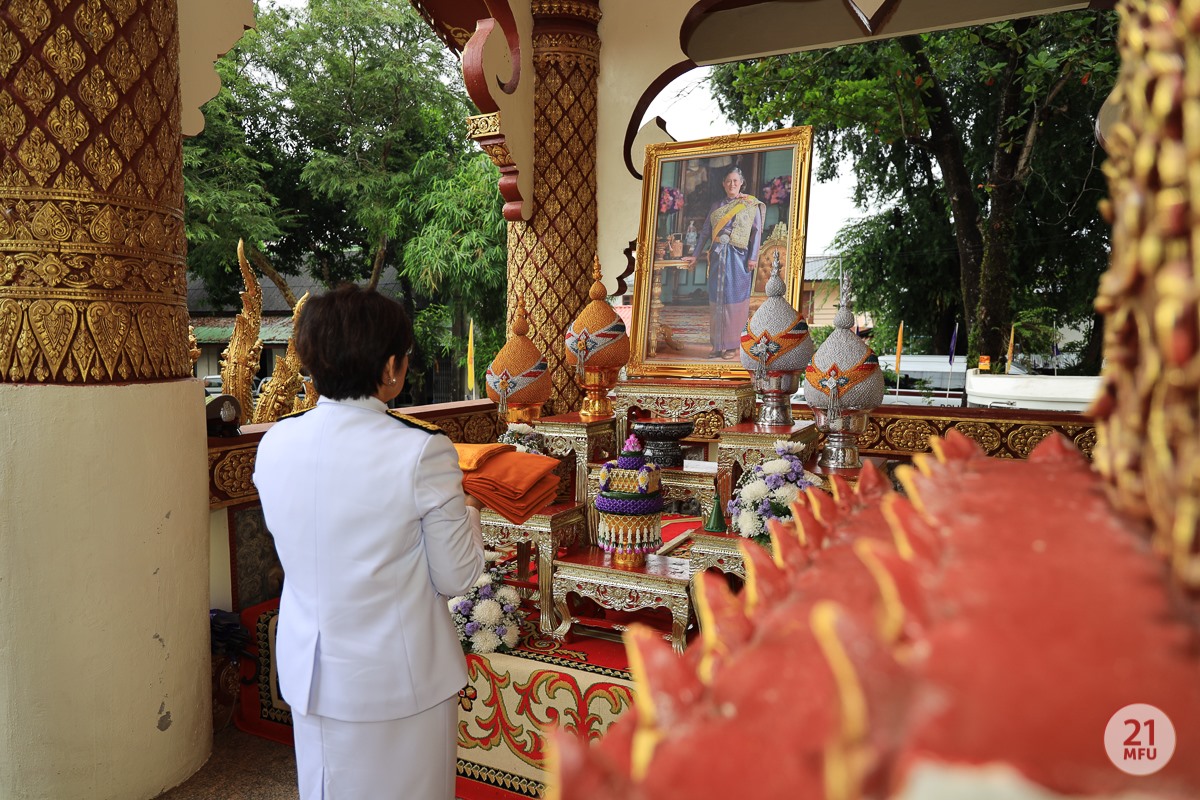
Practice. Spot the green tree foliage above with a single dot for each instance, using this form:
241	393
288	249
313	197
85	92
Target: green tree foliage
977	144
350	119
224	181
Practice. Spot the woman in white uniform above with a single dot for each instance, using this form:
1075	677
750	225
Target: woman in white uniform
374	533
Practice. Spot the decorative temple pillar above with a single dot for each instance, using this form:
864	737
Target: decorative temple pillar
104	531
550	254
1148	413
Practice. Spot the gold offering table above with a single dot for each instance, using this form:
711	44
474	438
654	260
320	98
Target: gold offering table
587	440
662	583
746	444
717	550
554	527
710	404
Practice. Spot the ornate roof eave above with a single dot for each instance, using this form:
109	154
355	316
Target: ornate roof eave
207	30
494	56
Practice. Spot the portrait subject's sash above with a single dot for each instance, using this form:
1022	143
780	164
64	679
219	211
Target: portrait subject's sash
741	212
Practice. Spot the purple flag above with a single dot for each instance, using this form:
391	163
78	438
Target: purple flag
1054	349
953	342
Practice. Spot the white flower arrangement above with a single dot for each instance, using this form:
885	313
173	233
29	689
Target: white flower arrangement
767	490
488	618
525	438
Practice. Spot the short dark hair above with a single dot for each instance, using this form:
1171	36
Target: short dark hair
345	338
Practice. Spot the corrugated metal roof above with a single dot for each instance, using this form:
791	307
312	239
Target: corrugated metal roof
218	330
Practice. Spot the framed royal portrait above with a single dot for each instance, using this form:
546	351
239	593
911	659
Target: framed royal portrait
716	215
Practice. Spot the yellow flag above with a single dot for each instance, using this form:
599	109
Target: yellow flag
1012	332
899	349
471	359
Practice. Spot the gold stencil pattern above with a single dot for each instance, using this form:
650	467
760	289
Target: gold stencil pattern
31	16
67	124
550	255
64	55
92	274
1148	430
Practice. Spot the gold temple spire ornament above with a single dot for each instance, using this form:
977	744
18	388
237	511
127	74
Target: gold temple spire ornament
278	396
241	357
518	379
597	346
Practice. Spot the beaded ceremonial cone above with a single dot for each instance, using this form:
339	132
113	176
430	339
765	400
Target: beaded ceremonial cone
597	346
518	378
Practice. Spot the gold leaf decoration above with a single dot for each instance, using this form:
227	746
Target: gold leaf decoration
67	124
34	86
51	270
12	120
27	354
122	9
150	321
84	353
154	235
64	55
10	326
145	47
72	178
94	25
109	324
54	326
102	161
109	272
10	49
126	131
39	156
149	110
31	16
123	65
162	17
98	92
150	168
50	224
106	228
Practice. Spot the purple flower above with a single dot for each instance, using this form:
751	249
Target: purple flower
764	508
486	591
501	630
472	628
508	608
774	481
464	607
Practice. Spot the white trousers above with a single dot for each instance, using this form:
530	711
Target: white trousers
399	759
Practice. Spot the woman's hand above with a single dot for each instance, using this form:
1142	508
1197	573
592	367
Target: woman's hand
474	502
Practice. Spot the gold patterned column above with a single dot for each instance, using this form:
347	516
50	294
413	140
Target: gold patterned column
1148	431
92	272
550	255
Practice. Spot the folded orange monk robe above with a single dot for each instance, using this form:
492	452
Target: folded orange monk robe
514	485
472	456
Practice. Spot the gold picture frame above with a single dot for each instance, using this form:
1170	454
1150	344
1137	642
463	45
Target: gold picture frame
680	306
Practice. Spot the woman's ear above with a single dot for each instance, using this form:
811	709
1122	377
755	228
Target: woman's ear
390	372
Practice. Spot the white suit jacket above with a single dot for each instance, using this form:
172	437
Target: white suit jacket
370	524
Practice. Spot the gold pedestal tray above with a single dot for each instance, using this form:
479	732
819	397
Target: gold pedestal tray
662	582
746	444
553	527
710	404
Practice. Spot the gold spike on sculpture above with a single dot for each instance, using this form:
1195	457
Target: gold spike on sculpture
279	396
240	360
193	346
